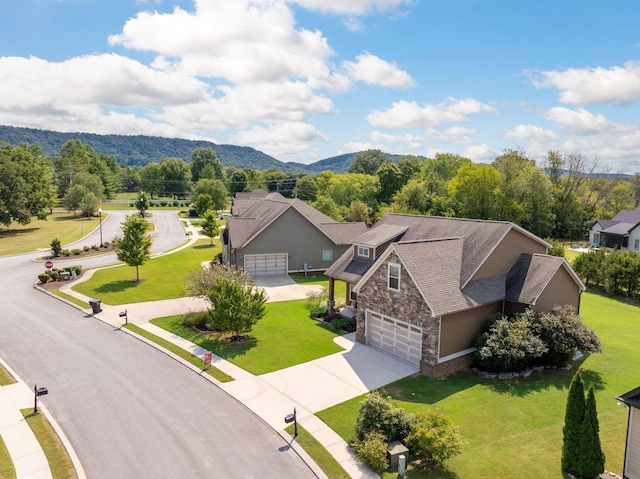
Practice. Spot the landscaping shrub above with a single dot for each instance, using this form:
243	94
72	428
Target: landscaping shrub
43	277
378	413
432	439
85	248
196	320
105	244
77	268
54	275
95	247
163	203
509	345
66	252
317	303
176	203
76	251
56	247
372	452
344	324
564	334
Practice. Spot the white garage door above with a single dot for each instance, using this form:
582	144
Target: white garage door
265	264
397	337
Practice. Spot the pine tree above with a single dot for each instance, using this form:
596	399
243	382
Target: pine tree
573	420
590	458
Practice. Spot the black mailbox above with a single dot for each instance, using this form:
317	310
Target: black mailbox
289	418
41	391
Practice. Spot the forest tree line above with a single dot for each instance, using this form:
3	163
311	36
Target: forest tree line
559	198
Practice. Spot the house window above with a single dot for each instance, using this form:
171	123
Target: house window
596	240
393	277
363	251
327	255
636	245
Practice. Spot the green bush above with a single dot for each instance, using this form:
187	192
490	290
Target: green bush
54	275
432	439
317	303
378	413
66	252
85	248
197	320
95	247
564	334
373	451
43	277
105	244
509	345
77	268
344	324
76	251
176	203
163	203
56	247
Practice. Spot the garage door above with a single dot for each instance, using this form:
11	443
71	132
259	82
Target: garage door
265	264
396	337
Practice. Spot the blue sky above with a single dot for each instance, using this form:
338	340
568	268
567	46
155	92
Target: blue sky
303	80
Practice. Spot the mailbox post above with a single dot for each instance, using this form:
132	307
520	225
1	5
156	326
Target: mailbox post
38	392
291	418
124	315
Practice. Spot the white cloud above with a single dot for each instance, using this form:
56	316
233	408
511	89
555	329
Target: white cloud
580	86
408	114
373	70
283	139
530	132
479	153
238	41
579	121
355	7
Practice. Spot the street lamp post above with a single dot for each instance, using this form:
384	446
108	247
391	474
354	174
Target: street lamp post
100	213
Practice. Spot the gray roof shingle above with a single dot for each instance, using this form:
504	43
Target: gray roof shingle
529	275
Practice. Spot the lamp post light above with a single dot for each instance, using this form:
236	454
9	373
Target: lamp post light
100	214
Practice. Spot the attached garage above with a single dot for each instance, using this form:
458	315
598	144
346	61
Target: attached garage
266	264
394	336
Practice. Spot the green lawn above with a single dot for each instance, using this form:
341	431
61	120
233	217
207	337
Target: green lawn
59	461
160	278
513	429
39	233
286	336
7	470
5	377
178	351
340	287
320	455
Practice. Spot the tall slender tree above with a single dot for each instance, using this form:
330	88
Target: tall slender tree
573	418
134	248
590	462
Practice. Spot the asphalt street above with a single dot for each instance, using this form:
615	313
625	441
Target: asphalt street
129	410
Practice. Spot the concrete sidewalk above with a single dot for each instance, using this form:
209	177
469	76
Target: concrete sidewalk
26	453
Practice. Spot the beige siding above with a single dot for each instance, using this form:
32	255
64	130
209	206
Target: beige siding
293	234
459	331
562	289
513	245
632	465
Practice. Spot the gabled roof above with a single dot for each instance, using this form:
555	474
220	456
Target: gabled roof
255	213
632	398
622	223
381	234
530	274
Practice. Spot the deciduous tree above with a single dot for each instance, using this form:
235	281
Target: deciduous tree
134	247
209	226
367	162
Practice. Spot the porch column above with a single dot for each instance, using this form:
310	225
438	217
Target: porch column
331	302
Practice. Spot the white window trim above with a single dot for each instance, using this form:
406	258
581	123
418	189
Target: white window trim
390	265
636	244
364	252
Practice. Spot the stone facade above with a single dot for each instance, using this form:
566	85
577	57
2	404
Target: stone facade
406	305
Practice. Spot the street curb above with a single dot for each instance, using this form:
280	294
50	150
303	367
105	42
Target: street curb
56	427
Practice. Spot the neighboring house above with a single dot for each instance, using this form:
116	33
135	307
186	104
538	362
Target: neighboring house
631	468
269	234
622	231
423	287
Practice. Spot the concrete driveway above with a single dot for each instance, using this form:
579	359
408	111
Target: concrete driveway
282	288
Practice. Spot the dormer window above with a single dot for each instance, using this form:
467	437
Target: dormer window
364	252
393	277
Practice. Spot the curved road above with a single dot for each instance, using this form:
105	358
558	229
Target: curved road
129	410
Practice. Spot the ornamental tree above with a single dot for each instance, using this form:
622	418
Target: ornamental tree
134	248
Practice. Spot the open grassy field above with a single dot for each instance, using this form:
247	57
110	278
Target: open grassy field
286	336
162	277
513	429
39	233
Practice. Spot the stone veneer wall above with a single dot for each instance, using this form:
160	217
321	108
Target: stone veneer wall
406	305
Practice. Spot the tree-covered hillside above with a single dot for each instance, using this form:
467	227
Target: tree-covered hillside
139	150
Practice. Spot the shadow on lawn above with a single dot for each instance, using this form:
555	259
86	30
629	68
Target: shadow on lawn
119	286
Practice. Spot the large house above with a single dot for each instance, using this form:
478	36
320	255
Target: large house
631	468
423	287
268	234
621	231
